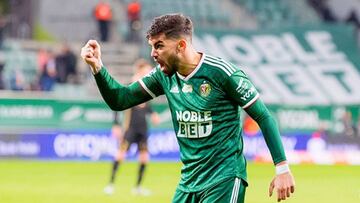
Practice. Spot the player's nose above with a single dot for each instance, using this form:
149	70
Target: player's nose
154	53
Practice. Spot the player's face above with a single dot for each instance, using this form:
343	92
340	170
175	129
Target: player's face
164	51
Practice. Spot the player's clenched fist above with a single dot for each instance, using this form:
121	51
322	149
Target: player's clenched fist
91	54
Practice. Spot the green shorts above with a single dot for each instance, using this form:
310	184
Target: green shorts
229	191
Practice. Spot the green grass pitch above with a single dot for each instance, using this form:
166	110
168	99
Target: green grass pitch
77	182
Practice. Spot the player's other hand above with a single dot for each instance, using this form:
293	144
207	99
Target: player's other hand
284	184
91	54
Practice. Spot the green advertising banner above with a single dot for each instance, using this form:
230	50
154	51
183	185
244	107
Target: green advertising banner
22	114
312	118
316	65
48	113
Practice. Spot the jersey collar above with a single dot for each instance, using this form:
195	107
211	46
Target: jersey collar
194	71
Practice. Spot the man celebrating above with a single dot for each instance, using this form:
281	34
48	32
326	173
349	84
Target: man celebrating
204	94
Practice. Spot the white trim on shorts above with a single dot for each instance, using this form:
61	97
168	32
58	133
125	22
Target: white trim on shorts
235	191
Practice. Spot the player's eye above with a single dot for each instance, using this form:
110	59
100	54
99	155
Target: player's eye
158	46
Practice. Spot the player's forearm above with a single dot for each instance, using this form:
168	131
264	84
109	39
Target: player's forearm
269	128
117	96
272	138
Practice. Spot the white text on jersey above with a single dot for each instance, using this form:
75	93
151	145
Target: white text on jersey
194	124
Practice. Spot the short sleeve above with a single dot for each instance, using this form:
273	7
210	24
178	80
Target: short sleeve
241	89
152	83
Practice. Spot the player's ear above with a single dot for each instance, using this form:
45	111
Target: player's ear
181	45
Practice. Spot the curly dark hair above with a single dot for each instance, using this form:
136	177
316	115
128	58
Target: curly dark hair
172	25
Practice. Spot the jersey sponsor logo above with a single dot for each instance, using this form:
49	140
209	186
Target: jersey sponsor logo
174	89
194	124
187	88
248	94
242	86
205	89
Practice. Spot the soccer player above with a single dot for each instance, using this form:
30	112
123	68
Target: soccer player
205	94
135	127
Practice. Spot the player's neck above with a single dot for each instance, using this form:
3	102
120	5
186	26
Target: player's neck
189	63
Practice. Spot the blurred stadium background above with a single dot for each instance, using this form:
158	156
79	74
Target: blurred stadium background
55	138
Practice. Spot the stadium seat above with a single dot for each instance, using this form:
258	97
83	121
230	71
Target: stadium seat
204	13
278	13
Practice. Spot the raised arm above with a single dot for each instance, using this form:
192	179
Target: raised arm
117	96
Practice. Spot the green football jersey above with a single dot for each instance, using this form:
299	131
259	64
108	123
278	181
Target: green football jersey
205	108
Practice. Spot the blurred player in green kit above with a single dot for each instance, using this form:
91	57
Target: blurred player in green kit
205	94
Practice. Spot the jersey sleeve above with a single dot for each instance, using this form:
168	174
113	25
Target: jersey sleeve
269	129
151	83
118	96
241	89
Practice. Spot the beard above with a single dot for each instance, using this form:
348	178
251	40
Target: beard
171	66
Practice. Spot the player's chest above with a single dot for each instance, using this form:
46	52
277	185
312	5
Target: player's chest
198	92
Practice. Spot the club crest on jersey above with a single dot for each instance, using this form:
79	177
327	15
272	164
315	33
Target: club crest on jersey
205	89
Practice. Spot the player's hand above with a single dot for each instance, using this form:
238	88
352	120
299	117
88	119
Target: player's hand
284	184
91	54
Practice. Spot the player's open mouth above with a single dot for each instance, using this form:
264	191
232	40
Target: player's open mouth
163	69
162	66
